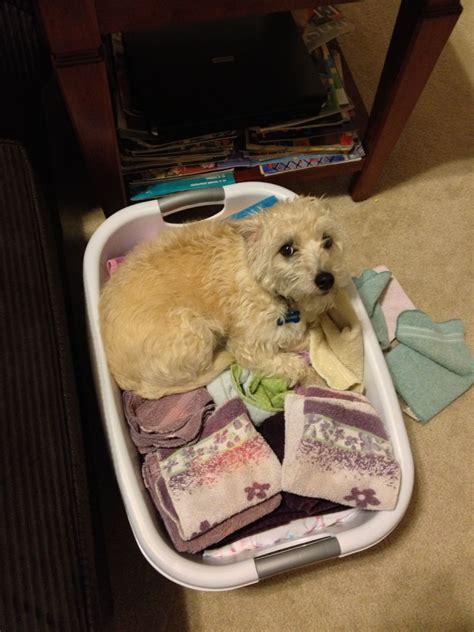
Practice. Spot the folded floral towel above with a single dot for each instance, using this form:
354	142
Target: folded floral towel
337	448
169	422
432	365
336	346
263	396
208	536
230	469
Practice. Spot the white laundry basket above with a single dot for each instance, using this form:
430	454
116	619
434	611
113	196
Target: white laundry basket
117	236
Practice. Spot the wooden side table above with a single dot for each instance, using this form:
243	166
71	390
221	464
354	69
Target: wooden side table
74	32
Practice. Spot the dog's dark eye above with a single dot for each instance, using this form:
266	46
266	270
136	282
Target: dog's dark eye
287	250
327	242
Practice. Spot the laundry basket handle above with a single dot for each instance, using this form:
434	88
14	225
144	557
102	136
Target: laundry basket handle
299	555
185	199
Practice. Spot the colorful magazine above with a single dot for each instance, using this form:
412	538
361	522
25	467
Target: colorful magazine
175	185
320	144
297	163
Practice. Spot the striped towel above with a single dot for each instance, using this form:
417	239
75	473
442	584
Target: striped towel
441	342
432	365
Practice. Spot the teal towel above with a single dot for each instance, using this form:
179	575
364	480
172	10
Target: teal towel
432	365
441	342
370	286
425	386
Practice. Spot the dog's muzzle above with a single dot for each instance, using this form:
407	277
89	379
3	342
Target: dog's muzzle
324	281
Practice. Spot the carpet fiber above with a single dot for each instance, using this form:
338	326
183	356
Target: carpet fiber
420	224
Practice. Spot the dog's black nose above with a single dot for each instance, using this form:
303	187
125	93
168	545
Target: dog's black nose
324	281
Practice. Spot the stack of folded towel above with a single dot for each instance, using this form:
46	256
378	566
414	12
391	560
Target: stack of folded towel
228	478
215	478
169	422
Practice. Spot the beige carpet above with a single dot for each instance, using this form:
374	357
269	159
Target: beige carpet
421	225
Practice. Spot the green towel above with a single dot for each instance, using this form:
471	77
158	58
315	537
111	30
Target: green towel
432	365
427	387
267	393
441	342
370	286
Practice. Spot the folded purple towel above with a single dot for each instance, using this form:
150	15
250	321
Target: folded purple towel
337	448
228	471
170	422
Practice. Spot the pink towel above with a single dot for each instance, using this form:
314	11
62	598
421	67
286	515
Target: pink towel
337	448
113	264
393	302
169	422
229	470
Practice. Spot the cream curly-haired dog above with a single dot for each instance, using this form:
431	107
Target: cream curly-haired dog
184	305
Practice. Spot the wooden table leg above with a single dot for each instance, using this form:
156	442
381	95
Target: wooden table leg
421	31
77	56
86	93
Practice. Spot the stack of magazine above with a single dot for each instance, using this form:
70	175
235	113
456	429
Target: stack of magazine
153	168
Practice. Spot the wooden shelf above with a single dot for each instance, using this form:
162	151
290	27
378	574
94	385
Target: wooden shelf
316	173
74	32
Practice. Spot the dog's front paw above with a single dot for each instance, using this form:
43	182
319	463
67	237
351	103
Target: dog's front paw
311	378
297	371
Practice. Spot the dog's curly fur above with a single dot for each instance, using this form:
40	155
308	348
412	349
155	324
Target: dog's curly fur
183	305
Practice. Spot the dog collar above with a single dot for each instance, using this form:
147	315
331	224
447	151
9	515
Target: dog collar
291	316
